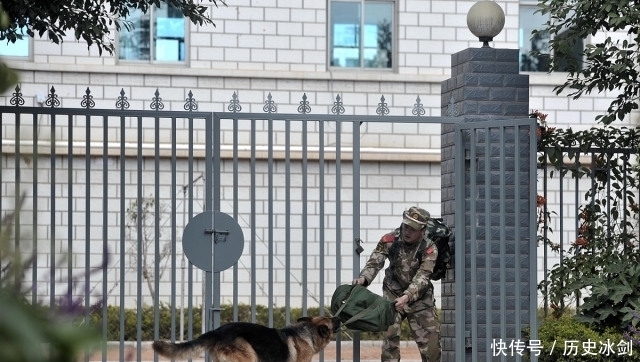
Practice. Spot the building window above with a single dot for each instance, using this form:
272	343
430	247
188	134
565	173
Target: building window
531	20
18	49
361	34
162	39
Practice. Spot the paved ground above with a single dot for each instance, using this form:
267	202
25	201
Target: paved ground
369	352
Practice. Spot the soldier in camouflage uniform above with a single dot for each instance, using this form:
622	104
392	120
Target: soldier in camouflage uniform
407	281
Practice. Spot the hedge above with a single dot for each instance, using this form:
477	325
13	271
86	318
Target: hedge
148	324
564	339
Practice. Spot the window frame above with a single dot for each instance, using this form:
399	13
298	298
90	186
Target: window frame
532	4
25	37
526	38
153	38
362	48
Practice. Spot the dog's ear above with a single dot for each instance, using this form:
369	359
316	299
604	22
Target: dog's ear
304	319
324	331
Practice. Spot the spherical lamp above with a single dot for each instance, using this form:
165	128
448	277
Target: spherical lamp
485	19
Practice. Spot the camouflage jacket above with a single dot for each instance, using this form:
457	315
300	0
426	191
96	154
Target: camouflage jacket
409	270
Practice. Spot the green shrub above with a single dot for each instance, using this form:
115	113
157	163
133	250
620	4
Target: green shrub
147	325
554	332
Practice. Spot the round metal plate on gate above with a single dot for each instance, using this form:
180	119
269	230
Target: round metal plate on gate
213	228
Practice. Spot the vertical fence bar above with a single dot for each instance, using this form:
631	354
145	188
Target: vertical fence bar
533	245
34	212
460	237
236	212
503	241
321	210
213	165
321	216
518	131
122	234
545	235
482	198
87	223
174	227
105	231
338	191
18	198
287	236
139	203
252	170
305	235
70	196
156	231
270	219
52	215
356	220
190	217
474	164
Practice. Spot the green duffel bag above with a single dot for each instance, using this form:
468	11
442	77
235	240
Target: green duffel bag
361	310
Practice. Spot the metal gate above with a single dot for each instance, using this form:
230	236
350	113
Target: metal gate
495	197
338	169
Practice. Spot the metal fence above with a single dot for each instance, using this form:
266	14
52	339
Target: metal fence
588	181
110	191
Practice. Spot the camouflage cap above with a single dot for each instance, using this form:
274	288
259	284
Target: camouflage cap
416	217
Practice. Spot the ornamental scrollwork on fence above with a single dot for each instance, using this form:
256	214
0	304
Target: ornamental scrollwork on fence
156	101
418	108
337	108
190	103
234	104
122	103
16	97
87	100
304	106
270	105
382	109
52	100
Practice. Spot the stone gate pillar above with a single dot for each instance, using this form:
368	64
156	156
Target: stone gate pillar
485	84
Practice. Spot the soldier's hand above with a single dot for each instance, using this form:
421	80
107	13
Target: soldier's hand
401	303
359	281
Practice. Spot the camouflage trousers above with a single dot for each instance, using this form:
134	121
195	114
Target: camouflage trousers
425	330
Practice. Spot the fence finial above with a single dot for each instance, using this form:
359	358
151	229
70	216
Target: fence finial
52	100
190	103
156	101
87	100
121	102
382	109
337	108
16	98
234	104
270	105
418	108
304	107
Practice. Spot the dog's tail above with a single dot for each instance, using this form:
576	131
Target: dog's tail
178	350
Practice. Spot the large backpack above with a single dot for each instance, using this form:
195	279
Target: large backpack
440	234
359	309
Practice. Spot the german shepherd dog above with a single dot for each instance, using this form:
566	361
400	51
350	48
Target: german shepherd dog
249	342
